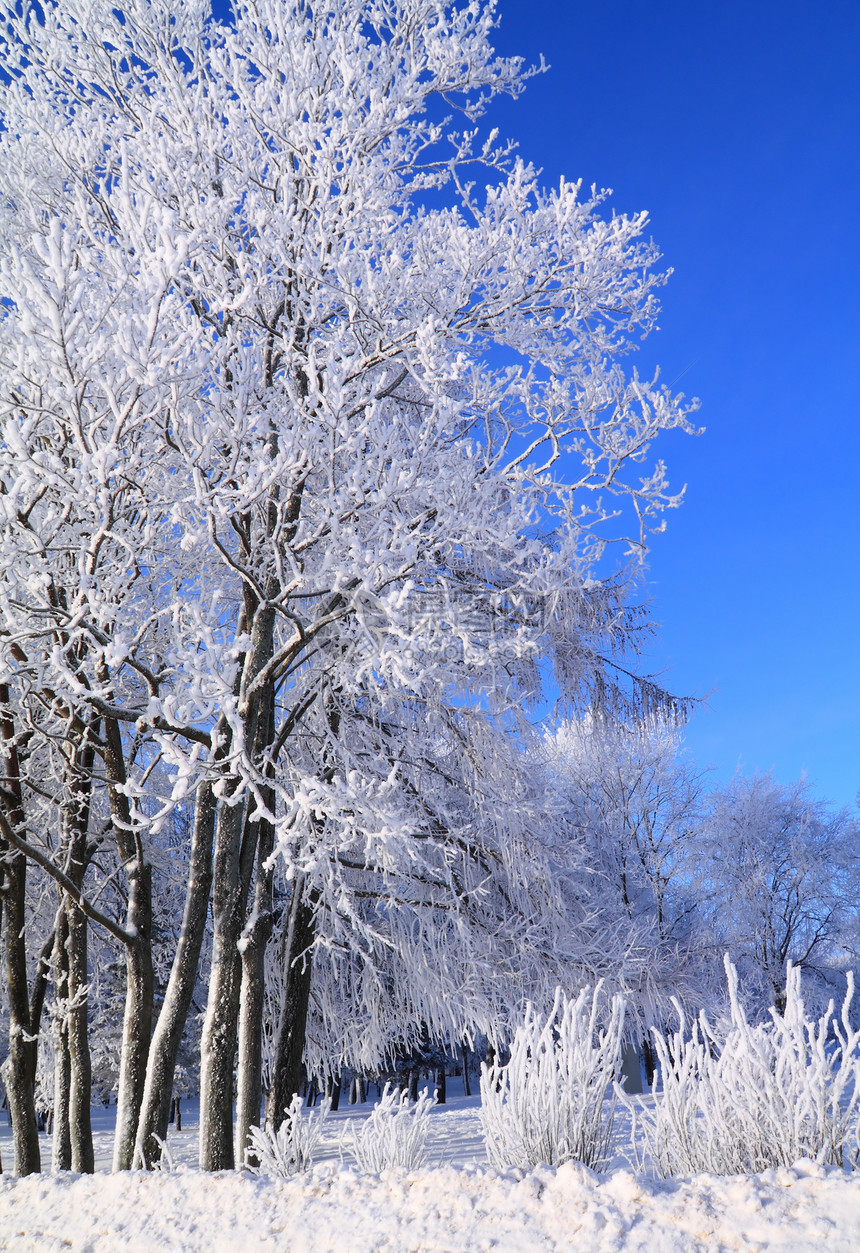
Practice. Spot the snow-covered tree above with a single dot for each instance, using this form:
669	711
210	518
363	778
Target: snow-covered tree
779	878
256	432
628	794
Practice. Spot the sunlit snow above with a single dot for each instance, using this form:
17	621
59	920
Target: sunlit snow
456	1205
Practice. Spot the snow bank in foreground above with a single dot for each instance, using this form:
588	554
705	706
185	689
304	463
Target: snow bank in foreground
334	1210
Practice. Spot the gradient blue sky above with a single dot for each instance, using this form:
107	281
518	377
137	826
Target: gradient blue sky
737	125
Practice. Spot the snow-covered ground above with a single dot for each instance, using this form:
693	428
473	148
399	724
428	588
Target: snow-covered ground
456	1205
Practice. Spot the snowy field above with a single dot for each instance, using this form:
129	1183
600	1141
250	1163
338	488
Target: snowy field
456	1205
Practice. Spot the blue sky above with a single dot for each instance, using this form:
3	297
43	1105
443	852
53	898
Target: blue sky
738	127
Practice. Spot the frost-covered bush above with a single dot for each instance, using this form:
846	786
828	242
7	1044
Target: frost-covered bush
291	1148
750	1098
164	1162
547	1103
395	1133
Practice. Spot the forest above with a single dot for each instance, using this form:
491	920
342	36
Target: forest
329	750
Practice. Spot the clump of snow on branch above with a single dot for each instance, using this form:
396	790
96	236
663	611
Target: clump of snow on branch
290	1149
547	1104
755	1097
395	1133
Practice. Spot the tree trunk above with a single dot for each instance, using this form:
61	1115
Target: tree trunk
249	1094
334	1092
19	1068
464	1053
61	1140
61	1150
161	1065
137	1019
77	818
249	1087
286	1074
296	964
218	1044
80	1066
650	1056
441	1086
235	848
41	979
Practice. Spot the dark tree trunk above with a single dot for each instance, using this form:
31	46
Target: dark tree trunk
61	1146
650	1056
37	1002
296	964
414	1079
218	1045
80	1067
41	979
161	1065
19	1067
249	1096
61	1153
464	1053
79	782
286	1074
441	1087
249	1087
334	1092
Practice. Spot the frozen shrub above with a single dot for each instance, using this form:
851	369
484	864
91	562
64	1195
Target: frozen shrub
291	1148
395	1133
547	1104
164	1162
754	1097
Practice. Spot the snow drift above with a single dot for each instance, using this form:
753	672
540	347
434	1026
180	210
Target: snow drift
332	1210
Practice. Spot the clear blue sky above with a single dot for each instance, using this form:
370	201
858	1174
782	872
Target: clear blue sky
737	125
